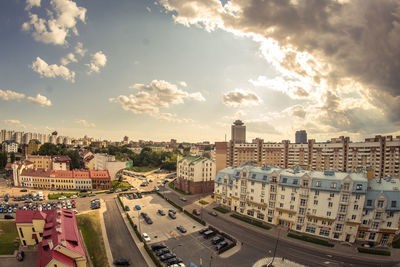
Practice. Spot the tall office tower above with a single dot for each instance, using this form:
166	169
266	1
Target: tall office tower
27	138
3	135
238	132
301	137
18	137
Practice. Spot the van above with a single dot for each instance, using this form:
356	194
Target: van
209	234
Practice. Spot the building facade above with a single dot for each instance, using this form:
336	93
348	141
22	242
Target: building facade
61	163
33	146
56	234
195	174
9	146
301	137
238	131
40	162
327	204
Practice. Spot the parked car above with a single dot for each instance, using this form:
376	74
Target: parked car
110	192
181	229
62	197
161	212
213	213
172	215
92	195
183	199
202	231
221	245
135	196
127	208
137	207
8	217
122	261
173	261
217	239
208	234
167	256
148	220
23	190
146	237
139	195
196	212
162	251
172	211
157	246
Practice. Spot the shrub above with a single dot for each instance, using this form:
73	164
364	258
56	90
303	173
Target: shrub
311	239
57	195
251	221
374	251
222	210
203	202
396	244
171	185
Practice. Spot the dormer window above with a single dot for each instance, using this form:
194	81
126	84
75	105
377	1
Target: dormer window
284	180
318	184
295	181
359	187
333	185
253	176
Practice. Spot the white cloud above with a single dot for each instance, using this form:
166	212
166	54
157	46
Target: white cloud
183	83
80	50
70	57
241	98
17	122
40	99
295	89
63	17
86	124
10	95
98	60
51	71
155	95
32	3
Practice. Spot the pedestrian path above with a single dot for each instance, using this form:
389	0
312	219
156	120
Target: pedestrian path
277	262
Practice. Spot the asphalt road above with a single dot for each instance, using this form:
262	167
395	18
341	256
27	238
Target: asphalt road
257	245
121	242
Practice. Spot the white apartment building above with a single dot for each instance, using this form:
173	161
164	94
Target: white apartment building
326	204
9	146
195	174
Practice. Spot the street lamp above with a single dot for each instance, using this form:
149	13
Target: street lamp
276	246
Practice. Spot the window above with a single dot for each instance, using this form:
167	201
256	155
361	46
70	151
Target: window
295	181
365	222
265	177
389	224
355	207
394	203
281	205
372	236
302	211
305	183
315	202
345	198
378	215
272	205
375	225
333	185
340	217
346	186
310	229
324	232
353	217
332	195
309	219
298	227
380	203
330	204
282	188
342	208
303	202
336	235
317	192
358	196
33	229
250	213
273	188
284	180
291	207
260	216
328	213
282	196
359	187
361	235
369	202
314	211
271	212
339	227
272	197
21	233
253	176
280	213
293	199
252	190
318	184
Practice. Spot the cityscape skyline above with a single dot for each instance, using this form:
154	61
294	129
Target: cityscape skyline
181	70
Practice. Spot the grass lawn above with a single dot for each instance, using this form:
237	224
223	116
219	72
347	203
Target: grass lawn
142	168
9	240
222	210
89	224
250	221
57	195
120	185
203	202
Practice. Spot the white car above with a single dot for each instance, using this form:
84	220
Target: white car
146	237
62	197
75	210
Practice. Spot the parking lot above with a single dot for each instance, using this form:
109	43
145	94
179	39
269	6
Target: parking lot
163	227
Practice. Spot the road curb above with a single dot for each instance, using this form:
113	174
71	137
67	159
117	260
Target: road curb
104	234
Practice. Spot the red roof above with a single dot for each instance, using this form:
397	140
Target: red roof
100	174
35	173
62	159
78	174
26	216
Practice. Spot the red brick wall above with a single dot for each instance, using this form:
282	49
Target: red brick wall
195	187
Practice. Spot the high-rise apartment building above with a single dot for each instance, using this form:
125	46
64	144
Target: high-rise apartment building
301	137
238	132
381	154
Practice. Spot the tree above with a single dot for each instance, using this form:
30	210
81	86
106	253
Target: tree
3	160
48	149
75	158
12	157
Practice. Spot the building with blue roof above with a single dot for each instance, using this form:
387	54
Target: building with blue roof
328	204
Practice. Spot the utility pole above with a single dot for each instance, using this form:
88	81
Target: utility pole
276	246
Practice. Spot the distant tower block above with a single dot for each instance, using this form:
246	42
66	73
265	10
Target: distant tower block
238	132
301	137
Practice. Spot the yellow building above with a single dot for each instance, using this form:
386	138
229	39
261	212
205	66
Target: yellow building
56	234
40	162
33	146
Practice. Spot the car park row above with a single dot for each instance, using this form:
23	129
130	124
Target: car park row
167	256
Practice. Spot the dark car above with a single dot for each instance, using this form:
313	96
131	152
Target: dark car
161	212
202	231
183	199
148	220
23	190
83	191
125	189
20	255
173	261
135	196
217	239
127	208
221	245
122	261
82	196
172	211
181	229
144	215
92	195
167	256
171	215
8	217
157	246
162	251
196	212
139	195
110	192
213	213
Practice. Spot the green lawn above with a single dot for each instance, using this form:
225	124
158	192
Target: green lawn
89	224
120	185
171	185
142	168
9	240
221	209
57	195
203	202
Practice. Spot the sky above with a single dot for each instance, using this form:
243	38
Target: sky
186	69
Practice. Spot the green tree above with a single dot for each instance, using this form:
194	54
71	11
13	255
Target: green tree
48	149
3	160
75	158
12	157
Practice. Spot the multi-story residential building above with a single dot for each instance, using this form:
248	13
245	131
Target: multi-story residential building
33	146
381	212
64	180
380	154
238	131
56	235
301	137
195	174
328	204
40	162
9	146
103	161
62	163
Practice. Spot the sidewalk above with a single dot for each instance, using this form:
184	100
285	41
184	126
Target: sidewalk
278	262
139	244
104	233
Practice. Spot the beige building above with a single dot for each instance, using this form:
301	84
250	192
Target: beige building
238	131
40	162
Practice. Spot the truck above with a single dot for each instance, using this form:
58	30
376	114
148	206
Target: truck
41	197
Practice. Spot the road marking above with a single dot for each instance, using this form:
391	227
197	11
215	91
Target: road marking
327	262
